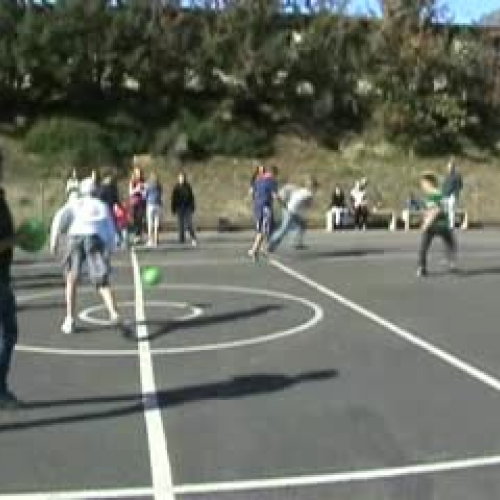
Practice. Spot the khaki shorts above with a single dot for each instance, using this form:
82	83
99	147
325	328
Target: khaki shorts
88	251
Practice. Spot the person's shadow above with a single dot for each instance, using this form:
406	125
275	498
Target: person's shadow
238	387
485	271
162	328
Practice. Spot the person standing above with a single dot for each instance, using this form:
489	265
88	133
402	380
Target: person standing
154	206
72	186
360	203
107	192
8	317
183	206
137	190
452	187
435	224
338	207
91	231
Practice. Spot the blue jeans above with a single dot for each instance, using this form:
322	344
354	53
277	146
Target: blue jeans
8	332
290	223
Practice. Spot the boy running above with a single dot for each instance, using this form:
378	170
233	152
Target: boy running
435	223
296	200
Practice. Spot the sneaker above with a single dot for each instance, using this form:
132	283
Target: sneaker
421	272
194	243
115	319
68	326
252	255
8	401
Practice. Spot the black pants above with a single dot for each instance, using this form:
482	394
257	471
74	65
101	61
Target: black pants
446	234
8	332
361	217
185	223
138	217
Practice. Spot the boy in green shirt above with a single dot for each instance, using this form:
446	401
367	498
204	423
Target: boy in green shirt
435	223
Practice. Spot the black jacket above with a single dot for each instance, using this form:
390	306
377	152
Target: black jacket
6	231
108	194
182	198
338	199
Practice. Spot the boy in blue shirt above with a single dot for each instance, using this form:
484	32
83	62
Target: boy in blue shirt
154	204
265	190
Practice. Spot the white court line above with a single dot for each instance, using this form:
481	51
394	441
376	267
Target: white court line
275	483
81	495
448	358
160	461
230	344
338	478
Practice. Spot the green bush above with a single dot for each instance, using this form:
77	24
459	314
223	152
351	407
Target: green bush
230	139
127	135
166	138
82	142
214	136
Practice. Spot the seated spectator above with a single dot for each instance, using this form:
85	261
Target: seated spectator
414	203
359	202
338	208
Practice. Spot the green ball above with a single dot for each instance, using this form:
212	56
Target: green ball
151	276
33	235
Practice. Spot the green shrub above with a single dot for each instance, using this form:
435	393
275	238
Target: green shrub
166	138
214	136
82	142
128	135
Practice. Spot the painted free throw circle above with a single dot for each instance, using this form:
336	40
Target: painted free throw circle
87	315
317	316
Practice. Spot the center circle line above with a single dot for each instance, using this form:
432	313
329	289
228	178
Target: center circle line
317	317
86	314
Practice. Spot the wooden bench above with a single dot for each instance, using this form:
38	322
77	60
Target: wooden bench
413	218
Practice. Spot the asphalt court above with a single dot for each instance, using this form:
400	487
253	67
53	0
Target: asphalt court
299	377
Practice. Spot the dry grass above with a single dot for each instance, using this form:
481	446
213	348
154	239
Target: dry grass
221	185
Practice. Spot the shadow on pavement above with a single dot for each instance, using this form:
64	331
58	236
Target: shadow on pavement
167	327
237	387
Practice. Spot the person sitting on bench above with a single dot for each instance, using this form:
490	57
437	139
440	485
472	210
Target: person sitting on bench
338	208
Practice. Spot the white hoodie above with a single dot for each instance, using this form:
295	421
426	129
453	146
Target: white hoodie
84	217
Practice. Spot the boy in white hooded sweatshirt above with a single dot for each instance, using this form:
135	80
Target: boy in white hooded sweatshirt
91	234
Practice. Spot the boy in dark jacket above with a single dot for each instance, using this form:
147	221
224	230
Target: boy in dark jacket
8	319
183	205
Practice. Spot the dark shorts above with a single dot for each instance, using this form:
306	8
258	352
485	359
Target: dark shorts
264	220
88	251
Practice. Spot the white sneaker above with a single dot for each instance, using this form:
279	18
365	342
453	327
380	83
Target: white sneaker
114	318
68	326
194	243
252	255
